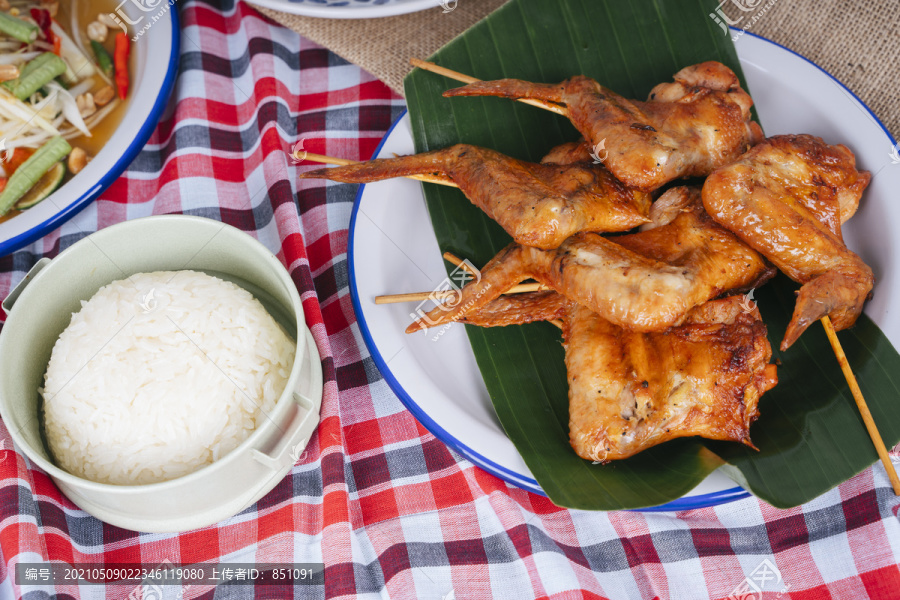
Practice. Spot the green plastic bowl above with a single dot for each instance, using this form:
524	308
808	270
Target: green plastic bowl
41	306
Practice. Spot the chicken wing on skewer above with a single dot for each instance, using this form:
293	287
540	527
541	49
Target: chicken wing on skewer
539	205
629	391
644	281
687	128
787	198
518	309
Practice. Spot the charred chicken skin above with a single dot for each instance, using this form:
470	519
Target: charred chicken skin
629	391
787	198
644	281
687	128
539	205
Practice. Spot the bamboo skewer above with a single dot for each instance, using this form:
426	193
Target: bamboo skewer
861	404
419	296
328	160
331	160
430	66
458	262
433	68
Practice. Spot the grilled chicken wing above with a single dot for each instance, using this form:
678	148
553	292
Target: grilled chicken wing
787	198
568	153
518	309
539	205
687	128
629	391
644	281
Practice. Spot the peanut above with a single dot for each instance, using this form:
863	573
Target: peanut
104	96
8	72
78	159
85	103
97	31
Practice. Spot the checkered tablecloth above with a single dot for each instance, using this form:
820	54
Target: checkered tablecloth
388	509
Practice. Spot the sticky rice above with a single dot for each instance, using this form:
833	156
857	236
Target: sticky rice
159	375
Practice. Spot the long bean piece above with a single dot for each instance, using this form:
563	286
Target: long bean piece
36	74
21	30
31	171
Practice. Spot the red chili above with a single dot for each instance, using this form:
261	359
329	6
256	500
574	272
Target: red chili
44	20
120	59
13	160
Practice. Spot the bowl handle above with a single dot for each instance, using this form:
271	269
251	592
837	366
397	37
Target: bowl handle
16	291
296	436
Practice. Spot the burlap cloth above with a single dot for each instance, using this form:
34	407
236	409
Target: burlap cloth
856	41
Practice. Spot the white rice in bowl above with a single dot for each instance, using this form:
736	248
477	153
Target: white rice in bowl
161	374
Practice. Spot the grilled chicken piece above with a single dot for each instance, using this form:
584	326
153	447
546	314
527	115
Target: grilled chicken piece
671	204
643	281
571	152
686	129
518	309
629	391
539	205
787	198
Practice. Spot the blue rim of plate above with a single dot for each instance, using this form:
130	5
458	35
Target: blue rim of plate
507	475
144	132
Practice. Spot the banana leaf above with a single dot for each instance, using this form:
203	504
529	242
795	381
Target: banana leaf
810	436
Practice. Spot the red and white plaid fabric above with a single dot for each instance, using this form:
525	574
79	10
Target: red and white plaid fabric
388	509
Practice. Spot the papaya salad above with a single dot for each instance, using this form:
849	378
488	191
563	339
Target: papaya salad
61	77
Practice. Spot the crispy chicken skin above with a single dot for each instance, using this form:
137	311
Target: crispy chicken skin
629	391
687	128
539	205
644	281
787	198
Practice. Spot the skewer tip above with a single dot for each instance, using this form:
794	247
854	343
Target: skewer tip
861	404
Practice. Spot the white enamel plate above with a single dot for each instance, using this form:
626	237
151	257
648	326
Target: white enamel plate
393	249
354	9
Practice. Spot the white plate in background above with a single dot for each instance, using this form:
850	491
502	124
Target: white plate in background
354	9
